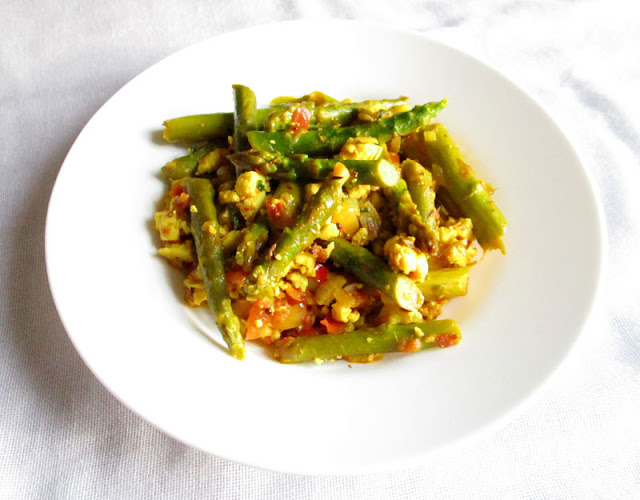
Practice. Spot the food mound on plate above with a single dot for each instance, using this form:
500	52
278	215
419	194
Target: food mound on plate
325	229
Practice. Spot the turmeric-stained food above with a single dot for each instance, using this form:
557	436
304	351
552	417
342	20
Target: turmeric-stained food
325	229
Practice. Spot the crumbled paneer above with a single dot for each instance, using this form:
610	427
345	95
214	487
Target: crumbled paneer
329	232
361	237
178	253
456	237
403	256
359	192
298	280
169	225
325	294
342	309
305	263
361	148
252	188
194	292
228	197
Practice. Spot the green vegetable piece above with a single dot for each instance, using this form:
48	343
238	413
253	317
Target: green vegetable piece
376	273
421	189
408	219
237	220
205	127
293	240
468	192
206	232
283	206
253	241
198	128
230	242
245	116
381	339
446	201
445	283
329	115
329	140
306	169
184	166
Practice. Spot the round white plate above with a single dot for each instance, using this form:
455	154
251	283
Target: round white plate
122	305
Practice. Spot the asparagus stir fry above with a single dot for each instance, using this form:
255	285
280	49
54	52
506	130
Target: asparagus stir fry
325	229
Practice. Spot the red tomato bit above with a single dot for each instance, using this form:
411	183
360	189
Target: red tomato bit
447	339
300	119
322	273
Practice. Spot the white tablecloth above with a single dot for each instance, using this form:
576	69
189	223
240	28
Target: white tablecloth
62	435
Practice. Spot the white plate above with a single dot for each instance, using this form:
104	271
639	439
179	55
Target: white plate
122	306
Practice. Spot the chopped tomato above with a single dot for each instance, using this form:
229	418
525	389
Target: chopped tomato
274	207
300	119
411	345
259	321
278	214
447	339
267	319
176	190
394	157
332	325
322	273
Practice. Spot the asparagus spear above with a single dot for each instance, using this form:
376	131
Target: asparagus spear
329	140
408	219
303	168
445	283
329	115
380	339
420	184
198	128
206	127
375	272
467	191
294	240
206	232
245	116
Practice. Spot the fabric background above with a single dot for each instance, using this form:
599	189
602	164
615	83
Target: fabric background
62	435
